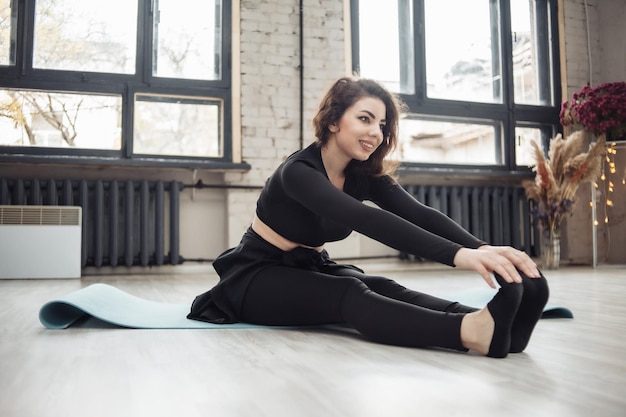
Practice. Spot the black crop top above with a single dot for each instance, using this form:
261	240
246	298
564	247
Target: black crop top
300	203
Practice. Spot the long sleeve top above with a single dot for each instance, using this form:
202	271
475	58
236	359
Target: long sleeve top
300	203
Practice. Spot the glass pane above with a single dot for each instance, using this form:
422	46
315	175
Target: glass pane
531	51
379	43
80	35
446	142
177	126
59	120
8	27
463	50
187	40
523	150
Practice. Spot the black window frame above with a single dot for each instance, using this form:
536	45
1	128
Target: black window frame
22	76
507	113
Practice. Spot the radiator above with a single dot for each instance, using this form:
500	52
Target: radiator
123	222
499	215
40	242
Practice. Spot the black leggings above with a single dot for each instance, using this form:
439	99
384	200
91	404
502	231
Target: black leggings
379	308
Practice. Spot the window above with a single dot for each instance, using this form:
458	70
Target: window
454	142
462	51
170	126
523	137
478	77
136	81
186	45
75	35
60	120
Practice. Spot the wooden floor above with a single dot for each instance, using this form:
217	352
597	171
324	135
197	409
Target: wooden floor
571	368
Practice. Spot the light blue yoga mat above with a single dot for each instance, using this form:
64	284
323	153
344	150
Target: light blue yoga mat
116	307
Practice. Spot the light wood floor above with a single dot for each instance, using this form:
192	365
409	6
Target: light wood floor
571	368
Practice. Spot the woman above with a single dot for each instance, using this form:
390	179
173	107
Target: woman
280	274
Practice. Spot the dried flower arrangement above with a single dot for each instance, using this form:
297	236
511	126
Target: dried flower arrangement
600	109
559	175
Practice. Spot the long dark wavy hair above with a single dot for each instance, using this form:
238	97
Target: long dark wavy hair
344	93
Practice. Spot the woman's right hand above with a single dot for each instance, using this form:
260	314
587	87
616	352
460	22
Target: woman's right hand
486	263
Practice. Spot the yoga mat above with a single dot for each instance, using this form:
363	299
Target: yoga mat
116	307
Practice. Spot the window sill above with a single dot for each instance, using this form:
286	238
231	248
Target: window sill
461	175
139	162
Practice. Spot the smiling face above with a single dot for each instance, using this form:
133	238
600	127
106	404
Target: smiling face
359	131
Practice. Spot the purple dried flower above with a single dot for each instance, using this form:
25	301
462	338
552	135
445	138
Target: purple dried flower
600	109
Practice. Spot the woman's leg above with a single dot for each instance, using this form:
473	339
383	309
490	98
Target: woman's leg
534	299
390	288
290	296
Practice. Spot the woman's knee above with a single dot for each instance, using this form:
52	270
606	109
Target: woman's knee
383	285
375	282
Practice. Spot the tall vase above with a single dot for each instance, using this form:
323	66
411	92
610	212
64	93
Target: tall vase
551	249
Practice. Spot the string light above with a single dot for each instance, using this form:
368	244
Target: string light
611	152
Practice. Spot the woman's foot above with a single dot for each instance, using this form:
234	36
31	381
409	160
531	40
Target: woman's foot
488	331
534	299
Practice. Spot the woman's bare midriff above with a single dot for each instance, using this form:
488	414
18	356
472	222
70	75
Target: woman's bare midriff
276	239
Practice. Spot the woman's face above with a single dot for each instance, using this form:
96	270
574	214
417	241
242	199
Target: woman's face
359	132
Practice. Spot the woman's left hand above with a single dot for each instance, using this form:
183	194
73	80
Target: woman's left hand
519	258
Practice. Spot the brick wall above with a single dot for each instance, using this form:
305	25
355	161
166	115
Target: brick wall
605	43
577	70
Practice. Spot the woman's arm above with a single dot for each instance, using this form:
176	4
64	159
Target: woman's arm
391	196
484	260
313	190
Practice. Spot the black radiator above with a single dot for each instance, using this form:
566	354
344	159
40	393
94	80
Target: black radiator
499	215
124	222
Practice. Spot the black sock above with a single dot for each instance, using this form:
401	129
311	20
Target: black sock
536	293
503	308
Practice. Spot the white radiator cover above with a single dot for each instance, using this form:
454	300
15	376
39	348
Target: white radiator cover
40	242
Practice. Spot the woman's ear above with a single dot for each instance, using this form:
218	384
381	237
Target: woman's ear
333	128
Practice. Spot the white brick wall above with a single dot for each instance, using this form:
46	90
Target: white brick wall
606	44
577	68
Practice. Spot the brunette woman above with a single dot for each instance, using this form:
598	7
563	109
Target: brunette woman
280	273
